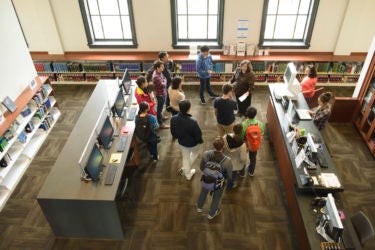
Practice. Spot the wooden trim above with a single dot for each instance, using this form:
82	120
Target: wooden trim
344	109
21	102
184	56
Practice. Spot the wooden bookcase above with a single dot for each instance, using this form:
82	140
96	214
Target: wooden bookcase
88	68
365	117
23	132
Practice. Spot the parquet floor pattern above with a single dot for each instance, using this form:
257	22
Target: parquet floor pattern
159	206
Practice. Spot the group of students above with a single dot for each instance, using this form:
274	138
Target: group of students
232	148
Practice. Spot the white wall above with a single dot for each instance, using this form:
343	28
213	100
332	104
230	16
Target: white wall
336	22
16	67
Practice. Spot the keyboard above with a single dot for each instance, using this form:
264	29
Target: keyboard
122	143
131	114
303	114
111	173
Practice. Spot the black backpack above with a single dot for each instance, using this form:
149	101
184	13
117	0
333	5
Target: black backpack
212	175
143	127
149	73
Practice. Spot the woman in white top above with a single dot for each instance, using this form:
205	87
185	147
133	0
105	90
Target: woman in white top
175	95
235	148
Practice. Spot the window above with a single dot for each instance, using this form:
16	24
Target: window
288	23
197	22
108	23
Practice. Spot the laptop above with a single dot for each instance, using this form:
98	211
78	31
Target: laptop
303	114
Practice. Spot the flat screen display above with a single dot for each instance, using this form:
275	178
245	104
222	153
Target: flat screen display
126	82
106	133
93	166
118	107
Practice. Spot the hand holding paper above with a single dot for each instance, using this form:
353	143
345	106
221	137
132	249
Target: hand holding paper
243	97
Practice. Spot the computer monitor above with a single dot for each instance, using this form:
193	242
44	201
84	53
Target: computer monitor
94	164
290	73
119	105
333	227
290	79
106	133
313	152
126	82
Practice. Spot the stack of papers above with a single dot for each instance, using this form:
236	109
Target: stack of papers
330	180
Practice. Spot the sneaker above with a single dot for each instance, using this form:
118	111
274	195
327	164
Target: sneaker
234	185
241	173
214	96
216	214
203	102
189	175
155	158
251	174
199	210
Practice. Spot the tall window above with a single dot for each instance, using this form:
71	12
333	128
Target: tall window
288	23
197	22
108	23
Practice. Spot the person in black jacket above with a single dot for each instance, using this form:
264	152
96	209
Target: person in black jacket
186	130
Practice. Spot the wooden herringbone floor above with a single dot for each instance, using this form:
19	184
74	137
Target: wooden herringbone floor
159	206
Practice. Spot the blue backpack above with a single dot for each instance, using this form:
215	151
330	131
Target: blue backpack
213	178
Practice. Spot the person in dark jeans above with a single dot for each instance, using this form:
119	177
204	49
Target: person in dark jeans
215	155
152	140
204	68
251	112
167	72
160	88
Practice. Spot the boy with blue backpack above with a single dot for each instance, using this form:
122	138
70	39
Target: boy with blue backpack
216	168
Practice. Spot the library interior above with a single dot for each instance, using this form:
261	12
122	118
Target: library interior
80	167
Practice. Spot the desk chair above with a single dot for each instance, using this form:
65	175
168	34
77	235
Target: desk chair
363	227
312	102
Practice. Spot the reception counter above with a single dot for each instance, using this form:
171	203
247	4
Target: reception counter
299	195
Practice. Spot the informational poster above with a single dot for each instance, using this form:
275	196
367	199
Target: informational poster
242	28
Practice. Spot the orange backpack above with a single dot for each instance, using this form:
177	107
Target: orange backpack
253	137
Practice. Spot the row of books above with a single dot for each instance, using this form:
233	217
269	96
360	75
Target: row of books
47	123
60	67
96	67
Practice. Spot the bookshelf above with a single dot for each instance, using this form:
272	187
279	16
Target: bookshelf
23	132
332	70
365	116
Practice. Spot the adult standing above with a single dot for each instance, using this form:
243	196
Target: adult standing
204	68
186	130
160	88
215	155
224	110
309	81
175	95
243	80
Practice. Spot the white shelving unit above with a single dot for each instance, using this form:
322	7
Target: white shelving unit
22	153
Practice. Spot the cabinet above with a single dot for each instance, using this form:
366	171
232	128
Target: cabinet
88	68
364	120
23	132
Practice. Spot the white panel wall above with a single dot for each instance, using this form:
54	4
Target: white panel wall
16	67
358	27
337	21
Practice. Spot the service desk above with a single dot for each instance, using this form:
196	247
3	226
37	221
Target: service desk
298	196
79	209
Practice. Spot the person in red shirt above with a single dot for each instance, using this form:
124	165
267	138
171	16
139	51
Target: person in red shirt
144	94
308	83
